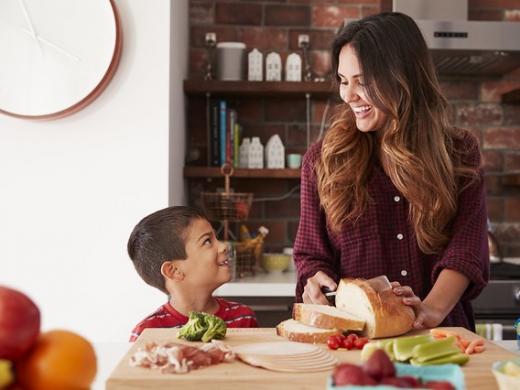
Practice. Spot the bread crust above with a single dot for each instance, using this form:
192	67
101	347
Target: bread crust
308	316
392	316
303	337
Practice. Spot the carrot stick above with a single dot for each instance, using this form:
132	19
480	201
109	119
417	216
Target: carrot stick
472	345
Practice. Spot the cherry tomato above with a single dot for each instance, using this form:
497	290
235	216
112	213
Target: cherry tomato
333	342
347	343
360	342
352	337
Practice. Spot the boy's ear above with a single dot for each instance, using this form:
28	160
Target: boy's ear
170	270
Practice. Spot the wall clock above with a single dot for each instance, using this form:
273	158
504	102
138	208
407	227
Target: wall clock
57	56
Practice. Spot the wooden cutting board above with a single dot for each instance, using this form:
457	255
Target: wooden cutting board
238	375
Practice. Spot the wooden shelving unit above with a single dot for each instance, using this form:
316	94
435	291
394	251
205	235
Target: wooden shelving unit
214	172
258	88
510	180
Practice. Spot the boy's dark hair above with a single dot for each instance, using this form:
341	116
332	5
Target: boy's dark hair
160	237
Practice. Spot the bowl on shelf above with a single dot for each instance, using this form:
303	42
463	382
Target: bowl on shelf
275	262
507	374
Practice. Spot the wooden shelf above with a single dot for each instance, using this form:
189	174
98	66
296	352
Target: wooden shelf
512	96
214	172
510	180
258	88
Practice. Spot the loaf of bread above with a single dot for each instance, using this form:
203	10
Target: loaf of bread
326	317
296	331
384	312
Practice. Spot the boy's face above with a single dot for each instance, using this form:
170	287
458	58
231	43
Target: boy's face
207	263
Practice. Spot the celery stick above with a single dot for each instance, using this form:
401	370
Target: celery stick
454	358
403	346
434	349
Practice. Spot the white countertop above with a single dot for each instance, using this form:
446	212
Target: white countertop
273	284
110	354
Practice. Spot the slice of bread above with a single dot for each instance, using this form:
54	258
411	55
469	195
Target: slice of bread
296	331
384	312
326	317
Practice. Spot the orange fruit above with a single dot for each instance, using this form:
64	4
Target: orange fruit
60	360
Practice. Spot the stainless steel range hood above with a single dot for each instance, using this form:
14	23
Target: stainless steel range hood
462	47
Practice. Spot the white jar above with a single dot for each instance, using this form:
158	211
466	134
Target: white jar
243	154
256	154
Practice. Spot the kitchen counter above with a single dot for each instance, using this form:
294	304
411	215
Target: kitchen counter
273	284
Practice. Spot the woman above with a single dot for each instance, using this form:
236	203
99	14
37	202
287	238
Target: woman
393	188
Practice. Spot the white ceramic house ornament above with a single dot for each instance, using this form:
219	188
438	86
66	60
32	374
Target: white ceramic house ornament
275	153
293	68
255	158
273	67
255	65
244	153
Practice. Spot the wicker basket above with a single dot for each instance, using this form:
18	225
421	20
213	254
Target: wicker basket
233	207
245	259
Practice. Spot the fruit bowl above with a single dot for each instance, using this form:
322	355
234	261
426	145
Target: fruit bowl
275	262
507	374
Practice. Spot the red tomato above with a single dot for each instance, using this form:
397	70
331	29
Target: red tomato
333	342
360	342
352	337
347	343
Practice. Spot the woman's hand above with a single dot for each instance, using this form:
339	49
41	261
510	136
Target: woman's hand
425	315
312	290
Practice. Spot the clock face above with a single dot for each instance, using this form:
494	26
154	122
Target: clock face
56	55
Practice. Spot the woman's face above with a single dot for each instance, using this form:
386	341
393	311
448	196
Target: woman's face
352	91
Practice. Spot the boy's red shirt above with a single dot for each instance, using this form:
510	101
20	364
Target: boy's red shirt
234	314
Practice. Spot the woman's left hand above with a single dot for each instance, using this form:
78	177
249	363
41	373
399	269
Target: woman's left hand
425	316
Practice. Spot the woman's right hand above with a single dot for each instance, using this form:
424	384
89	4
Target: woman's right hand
312	290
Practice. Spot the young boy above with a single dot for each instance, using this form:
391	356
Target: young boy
176	251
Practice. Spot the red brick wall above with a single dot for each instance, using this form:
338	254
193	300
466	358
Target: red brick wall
275	25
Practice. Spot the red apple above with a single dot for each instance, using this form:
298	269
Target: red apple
379	365
350	374
19	323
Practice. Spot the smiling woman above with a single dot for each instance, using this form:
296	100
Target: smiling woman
393	188
59	55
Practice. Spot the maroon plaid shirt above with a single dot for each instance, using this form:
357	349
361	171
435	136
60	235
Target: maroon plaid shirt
383	241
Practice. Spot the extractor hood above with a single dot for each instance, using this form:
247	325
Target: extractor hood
462	47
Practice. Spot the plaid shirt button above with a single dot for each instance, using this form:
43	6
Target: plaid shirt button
399	236
404	272
397	198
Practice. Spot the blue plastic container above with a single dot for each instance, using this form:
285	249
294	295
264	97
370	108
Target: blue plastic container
443	372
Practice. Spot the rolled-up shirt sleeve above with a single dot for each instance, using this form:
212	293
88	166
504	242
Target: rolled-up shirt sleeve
312	248
468	251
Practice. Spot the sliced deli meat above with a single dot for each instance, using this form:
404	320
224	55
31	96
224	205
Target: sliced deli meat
175	358
327	317
384	312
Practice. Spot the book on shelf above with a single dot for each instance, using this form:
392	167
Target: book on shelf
225	134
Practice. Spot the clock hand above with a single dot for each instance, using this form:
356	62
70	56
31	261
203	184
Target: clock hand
29	22
43	40
53	45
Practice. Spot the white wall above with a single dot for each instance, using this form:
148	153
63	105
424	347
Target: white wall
72	189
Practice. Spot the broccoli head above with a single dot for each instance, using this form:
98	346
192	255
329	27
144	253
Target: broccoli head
203	326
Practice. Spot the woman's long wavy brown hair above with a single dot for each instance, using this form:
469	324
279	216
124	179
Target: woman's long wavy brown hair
415	147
